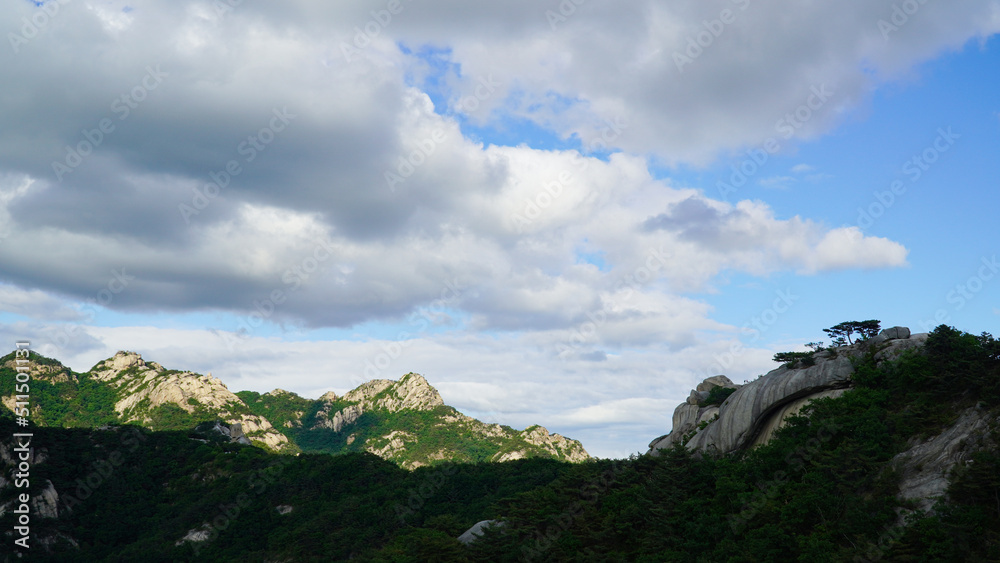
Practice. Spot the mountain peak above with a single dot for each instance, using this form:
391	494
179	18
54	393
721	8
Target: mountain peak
412	391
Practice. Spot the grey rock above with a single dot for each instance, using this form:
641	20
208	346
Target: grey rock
925	465
751	415
747	410
778	418
476	531
894	333
697	397
716	381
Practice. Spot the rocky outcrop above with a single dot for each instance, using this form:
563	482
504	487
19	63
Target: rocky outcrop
751	415
50	372
391	444
925	466
411	392
778	418
557	445
539	438
144	386
340	419
689	415
476	531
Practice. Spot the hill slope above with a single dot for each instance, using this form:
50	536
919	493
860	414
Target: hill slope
843	480
404	421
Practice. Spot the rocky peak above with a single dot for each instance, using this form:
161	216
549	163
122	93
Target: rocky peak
144	386
412	391
555	444
51	372
751	415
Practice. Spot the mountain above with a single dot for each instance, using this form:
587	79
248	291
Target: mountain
404	421
883	450
750	414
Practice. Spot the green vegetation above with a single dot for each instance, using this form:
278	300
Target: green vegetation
792	358
62	398
716	395
841	333
822	490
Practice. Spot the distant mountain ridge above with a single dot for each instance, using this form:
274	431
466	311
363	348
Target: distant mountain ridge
405	421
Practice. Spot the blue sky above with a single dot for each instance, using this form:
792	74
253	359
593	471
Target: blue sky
526	210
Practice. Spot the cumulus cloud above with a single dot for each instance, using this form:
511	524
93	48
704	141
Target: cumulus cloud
309	163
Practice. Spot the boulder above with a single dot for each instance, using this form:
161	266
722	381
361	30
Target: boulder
894	333
476	531
697	397
689	415
924	467
752	414
716	381
749	407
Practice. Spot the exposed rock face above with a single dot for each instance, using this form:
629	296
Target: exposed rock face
51	373
340	419
689	415
745	413
925	465
45	504
143	386
555	444
411	392
236	434
476	531
752	414
777	420
394	442
894	333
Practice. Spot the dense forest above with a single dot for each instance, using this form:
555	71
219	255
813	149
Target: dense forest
823	490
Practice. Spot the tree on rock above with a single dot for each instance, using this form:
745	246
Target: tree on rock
842	331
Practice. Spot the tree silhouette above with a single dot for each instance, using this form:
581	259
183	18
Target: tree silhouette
864	330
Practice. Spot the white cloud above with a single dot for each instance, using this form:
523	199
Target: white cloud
485	238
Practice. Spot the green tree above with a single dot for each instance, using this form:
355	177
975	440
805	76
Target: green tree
864	329
792	358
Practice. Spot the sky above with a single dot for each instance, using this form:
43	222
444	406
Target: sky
564	213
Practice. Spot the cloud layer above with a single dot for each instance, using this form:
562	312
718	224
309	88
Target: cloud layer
306	165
